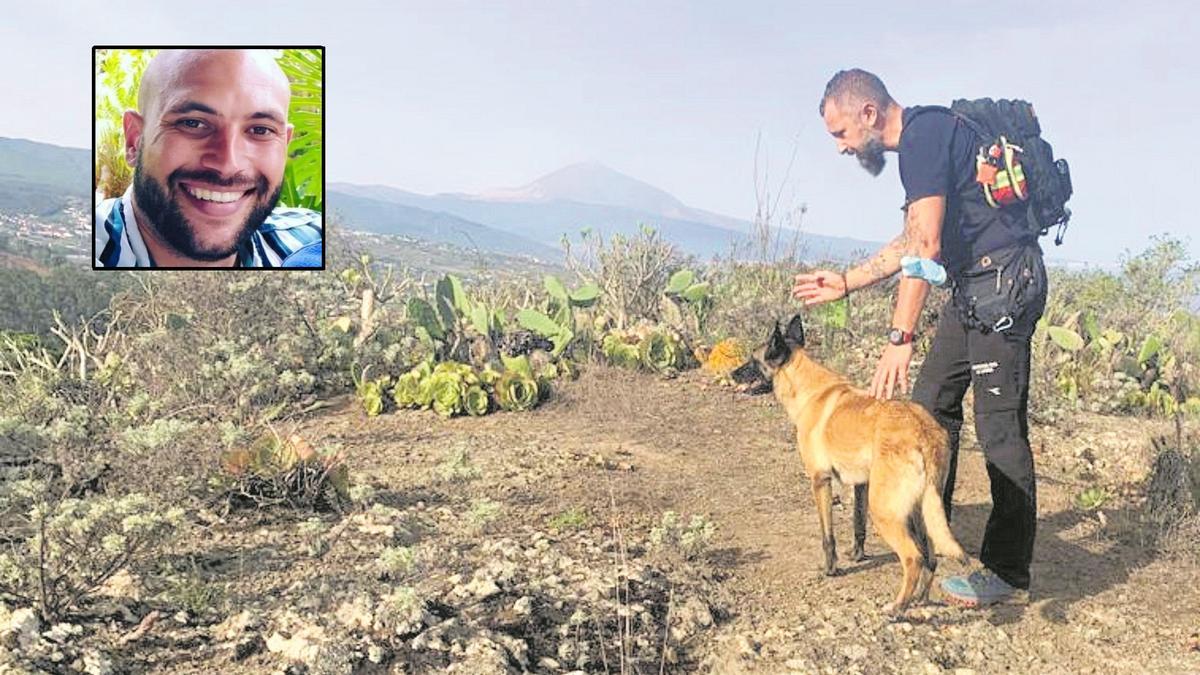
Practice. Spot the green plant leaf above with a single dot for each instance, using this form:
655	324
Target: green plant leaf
1065	338
457	295
555	288
1091	326
303	183
834	315
480	319
519	364
1150	348
680	281
425	318
533	320
445	312
585	296
696	292
561	340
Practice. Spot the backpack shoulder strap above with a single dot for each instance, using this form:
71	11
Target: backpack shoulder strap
972	124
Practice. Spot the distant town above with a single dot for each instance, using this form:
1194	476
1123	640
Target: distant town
65	235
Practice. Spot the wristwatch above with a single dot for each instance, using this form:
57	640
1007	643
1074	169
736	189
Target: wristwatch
899	337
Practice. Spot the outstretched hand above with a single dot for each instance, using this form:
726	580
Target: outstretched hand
819	287
892	371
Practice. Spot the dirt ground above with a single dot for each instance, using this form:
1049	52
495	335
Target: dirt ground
625	447
615	450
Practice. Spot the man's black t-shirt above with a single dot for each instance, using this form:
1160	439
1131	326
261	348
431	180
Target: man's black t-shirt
937	157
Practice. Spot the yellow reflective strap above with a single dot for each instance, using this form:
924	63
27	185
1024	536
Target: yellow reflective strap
1009	151
987	194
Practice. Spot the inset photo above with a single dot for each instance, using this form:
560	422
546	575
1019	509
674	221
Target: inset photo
208	157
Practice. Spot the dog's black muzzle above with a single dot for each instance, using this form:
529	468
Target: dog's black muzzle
751	375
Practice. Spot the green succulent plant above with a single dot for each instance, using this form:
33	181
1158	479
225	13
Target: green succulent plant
447	390
371	393
619	352
660	352
476	401
516	391
407	390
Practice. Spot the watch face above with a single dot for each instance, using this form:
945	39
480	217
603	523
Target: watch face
896	336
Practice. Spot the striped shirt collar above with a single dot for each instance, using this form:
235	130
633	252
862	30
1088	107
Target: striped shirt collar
119	243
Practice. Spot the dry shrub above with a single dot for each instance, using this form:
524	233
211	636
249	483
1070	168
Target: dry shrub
632	272
1172	509
277	471
65	549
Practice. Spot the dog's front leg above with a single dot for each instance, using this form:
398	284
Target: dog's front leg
823	496
860	522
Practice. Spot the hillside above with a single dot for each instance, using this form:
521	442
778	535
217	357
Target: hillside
382	217
590	195
41	179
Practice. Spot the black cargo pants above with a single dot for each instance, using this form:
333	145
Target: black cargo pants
996	365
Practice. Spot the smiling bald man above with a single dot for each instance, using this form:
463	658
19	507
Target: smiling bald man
208	144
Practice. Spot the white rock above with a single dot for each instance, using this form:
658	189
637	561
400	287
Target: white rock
304	646
96	662
747	647
26	627
375	654
238	624
367	525
122	585
516	647
523	606
355	614
854	652
63	632
482	587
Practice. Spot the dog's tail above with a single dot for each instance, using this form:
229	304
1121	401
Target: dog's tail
944	543
932	508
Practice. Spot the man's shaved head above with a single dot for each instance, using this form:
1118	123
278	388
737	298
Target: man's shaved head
170	68
850	88
855	107
208	144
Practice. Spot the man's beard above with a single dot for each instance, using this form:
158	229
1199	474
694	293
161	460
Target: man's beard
162	210
871	156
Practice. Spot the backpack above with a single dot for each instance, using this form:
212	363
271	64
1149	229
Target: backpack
1016	166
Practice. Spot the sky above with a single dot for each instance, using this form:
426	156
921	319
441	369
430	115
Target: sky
469	96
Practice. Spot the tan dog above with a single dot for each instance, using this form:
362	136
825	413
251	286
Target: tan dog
893	453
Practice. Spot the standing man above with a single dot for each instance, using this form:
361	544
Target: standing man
948	220
208	144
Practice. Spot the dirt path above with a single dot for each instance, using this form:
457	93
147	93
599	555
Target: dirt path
648	446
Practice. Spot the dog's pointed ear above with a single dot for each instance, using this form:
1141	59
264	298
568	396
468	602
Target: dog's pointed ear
777	351
795	331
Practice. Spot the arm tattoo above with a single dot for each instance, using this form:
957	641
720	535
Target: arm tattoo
886	262
909	239
877	265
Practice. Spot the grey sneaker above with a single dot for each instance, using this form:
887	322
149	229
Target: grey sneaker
980	589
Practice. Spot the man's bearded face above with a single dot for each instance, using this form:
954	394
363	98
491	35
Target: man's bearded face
161	204
211	147
854	136
870	155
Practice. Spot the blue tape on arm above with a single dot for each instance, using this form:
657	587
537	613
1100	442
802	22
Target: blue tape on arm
923	268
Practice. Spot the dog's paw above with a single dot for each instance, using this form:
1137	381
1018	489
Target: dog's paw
894	612
858	554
